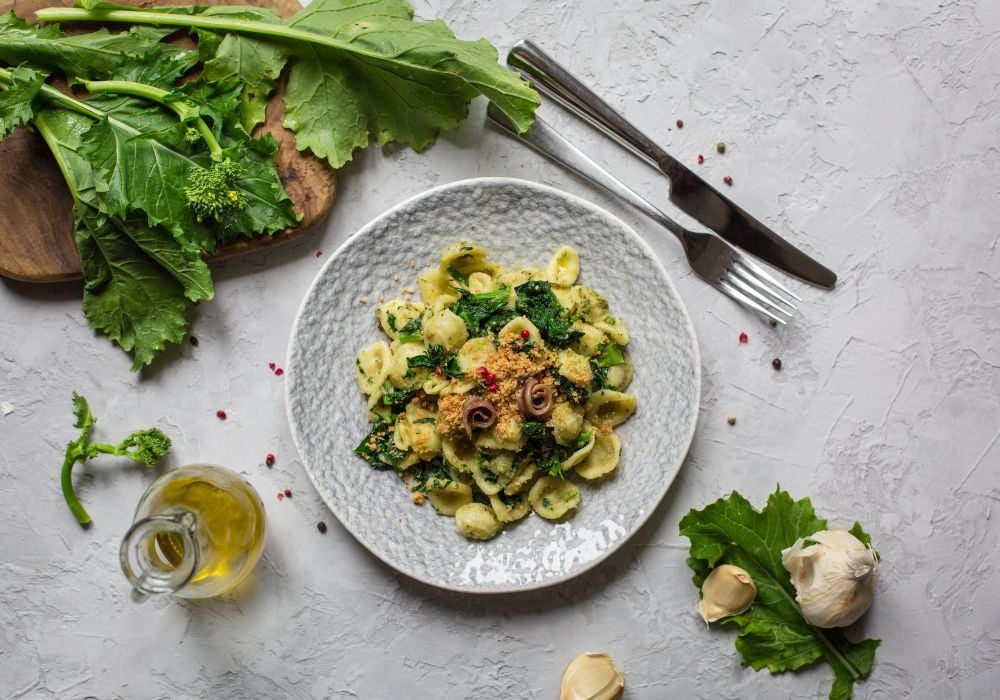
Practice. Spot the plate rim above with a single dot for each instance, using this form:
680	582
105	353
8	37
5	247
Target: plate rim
675	468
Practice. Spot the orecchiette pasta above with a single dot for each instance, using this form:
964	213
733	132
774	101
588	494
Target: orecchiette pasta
497	390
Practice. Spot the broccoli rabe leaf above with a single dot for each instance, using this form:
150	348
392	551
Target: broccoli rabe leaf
18	100
437	358
391	396
773	632
143	446
482	312
94	55
410	332
536	301
378	448
609	356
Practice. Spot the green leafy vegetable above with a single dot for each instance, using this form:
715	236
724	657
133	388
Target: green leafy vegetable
609	356
536	301
536	431
410	332
378	447
391	396
483	312
362	70
437	358
17	101
146	447
773	633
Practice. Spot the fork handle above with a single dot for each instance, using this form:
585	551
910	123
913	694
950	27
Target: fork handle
549	142
557	82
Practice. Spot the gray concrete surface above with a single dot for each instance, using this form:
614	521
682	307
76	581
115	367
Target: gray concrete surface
865	132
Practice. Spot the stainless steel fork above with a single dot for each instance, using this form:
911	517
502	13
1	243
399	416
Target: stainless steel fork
711	258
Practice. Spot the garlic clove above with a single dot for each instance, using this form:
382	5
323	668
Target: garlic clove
591	676
834	575
727	590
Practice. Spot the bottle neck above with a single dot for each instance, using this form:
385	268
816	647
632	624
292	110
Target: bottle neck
160	553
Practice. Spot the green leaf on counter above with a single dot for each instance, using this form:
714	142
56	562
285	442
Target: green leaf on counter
773	632
18	100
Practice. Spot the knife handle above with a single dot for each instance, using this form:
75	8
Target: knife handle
536	65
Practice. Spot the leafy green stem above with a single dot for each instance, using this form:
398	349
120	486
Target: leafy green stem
226	24
161	97
56	97
52	141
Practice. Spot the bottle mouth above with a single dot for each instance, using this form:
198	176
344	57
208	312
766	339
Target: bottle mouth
160	553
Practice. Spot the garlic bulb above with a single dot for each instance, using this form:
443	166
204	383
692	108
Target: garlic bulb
591	676
728	590
834	575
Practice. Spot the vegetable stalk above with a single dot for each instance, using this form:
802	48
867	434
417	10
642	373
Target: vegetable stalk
161	97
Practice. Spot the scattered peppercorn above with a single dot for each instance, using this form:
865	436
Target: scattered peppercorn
281	496
680	123
720	147
776	363
438	372
744	338
489	376
731	420
491	387
525	333
271	366
269	460
774	324
701	159
288	493
728	180
319	253
321	526
221	415
193	340
278	372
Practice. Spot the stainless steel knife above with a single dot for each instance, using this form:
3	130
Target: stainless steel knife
688	192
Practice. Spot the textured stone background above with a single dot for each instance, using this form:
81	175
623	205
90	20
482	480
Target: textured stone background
865	132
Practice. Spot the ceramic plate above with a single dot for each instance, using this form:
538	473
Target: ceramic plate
520	223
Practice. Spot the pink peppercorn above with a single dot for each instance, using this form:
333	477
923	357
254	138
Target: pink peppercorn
278	372
701	159
438	372
270	366
490	377
221	415
744	338
288	493
269	460
491	387
525	333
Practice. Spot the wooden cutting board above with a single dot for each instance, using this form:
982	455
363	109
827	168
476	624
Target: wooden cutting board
36	210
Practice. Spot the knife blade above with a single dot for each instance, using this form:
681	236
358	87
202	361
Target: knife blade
687	191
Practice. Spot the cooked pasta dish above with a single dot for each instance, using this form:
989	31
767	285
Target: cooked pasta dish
496	389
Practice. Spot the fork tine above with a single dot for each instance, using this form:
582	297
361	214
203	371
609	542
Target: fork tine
747	289
735	294
754	267
748	277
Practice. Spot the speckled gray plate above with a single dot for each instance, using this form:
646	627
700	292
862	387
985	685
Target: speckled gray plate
520	223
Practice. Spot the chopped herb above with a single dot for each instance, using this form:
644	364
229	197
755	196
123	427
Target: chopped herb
428	419
610	355
546	503
582	439
357	363
536	301
378	448
489	475
512	500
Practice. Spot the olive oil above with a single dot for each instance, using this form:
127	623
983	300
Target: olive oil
215	528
